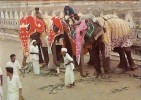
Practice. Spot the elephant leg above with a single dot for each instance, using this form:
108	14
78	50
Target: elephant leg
40	55
106	64
127	51
90	62
96	59
46	56
58	50
24	60
54	55
123	60
81	65
77	67
105	61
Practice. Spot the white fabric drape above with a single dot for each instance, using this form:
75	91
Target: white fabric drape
69	74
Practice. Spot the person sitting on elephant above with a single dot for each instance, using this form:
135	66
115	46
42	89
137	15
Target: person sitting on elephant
77	19
68	11
69	14
38	13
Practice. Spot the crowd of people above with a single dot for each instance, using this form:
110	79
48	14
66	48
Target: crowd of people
13	67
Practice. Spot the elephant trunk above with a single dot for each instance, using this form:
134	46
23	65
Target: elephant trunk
54	54
24	60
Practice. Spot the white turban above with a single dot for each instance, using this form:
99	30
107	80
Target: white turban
64	49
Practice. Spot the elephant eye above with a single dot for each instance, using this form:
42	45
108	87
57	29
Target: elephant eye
81	32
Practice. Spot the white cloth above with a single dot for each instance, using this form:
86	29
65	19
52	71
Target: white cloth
15	65
49	48
13	88
69	74
35	59
64	49
13	96
36	67
39	15
34	49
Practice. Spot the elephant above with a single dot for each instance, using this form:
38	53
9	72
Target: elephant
33	28
110	33
61	29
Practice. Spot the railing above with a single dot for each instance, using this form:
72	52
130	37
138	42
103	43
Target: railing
9	24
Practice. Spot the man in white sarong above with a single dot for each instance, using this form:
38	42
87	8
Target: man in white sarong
14	85
14	64
1	83
34	56
68	63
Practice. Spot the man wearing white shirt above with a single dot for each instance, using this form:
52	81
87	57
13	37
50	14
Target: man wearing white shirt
1	83
14	64
34	55
14	85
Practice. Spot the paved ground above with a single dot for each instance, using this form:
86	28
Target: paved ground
118	87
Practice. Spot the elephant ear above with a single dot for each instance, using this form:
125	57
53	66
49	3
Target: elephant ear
27	26
57	25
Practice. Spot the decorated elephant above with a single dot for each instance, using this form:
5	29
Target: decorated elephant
110	33
33	28
61	29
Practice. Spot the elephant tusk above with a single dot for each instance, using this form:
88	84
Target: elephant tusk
23	26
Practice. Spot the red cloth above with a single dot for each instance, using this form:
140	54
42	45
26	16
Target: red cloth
35	25
57	22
